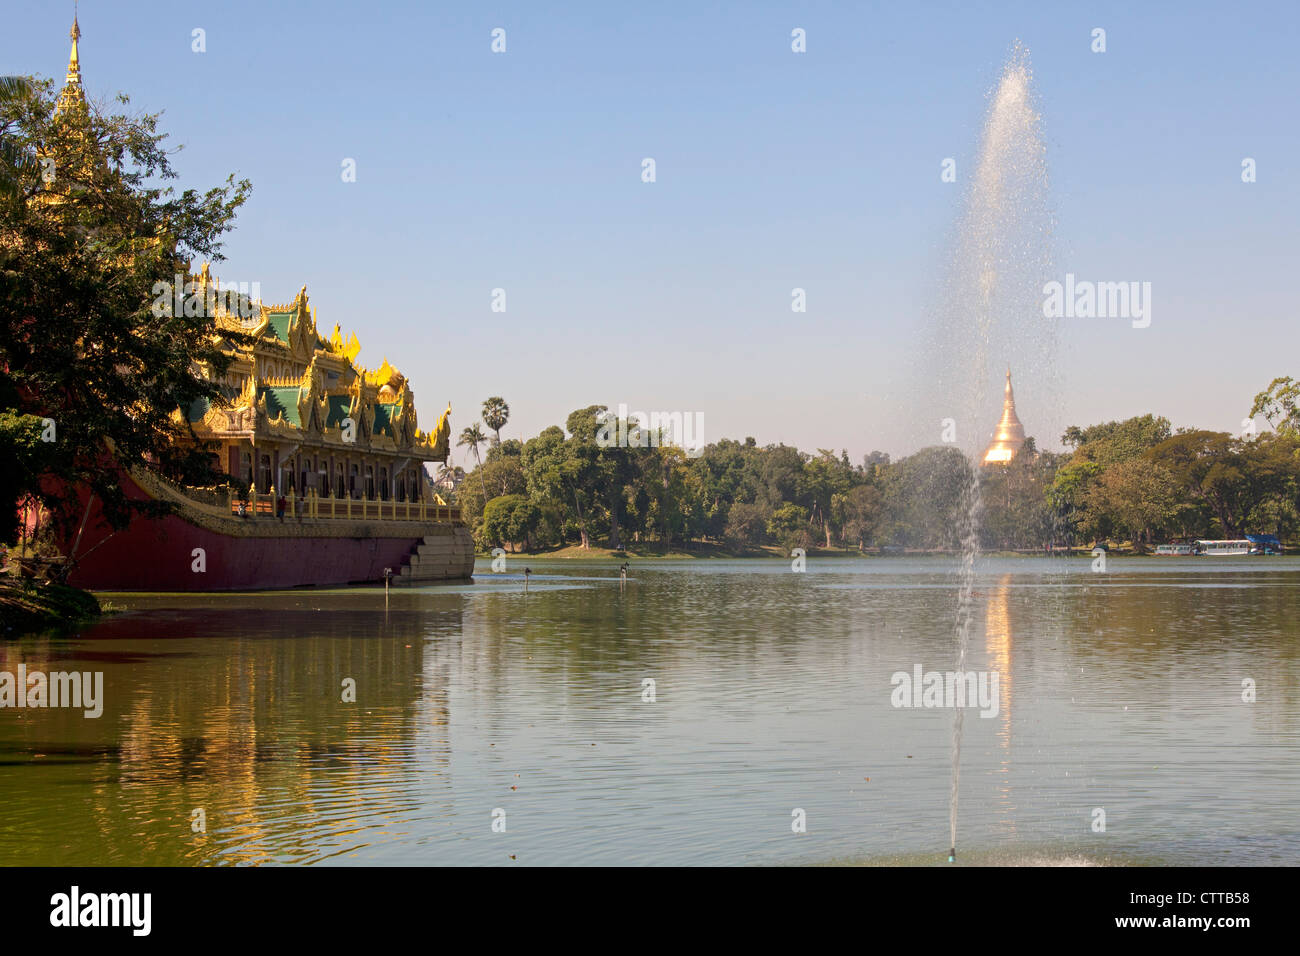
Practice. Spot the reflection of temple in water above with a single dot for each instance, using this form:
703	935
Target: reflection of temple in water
998	645
997	641
211	709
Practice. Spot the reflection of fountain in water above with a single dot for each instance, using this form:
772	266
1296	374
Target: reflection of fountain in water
992	307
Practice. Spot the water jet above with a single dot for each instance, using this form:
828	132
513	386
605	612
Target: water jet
991	310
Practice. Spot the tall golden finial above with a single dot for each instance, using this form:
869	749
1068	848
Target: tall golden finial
72	94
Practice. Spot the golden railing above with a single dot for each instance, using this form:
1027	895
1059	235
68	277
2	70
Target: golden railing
269	504
223	502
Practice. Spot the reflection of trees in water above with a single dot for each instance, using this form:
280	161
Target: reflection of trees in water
245	719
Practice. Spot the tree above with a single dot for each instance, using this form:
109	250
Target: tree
495	415
561	473
508	448
660	493
473	437
542	460
89	231
597	474
1278	404
510	519
789	526
861	515
30	457
16	160
747	523
1017	503
505	474
1138	496
1097	448
922	494
1211	467
1067	495
503	463
825	477
1117	441
1274	463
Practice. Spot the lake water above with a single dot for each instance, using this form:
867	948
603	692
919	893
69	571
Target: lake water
1120	691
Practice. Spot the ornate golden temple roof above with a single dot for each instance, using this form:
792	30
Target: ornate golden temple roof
1010	435
293	384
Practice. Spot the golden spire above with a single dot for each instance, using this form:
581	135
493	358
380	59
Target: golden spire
72	94
1010	434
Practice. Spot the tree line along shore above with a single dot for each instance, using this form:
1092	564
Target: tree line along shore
1125	485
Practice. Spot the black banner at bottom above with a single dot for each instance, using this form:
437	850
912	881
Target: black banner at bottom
335	905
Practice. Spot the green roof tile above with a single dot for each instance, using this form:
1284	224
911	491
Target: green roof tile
279	325
338	409
283	401
384	419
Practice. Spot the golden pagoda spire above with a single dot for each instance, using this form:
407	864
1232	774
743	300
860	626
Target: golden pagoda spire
72	94
1010	434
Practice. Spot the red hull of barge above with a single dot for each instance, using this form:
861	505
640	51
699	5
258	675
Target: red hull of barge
160	554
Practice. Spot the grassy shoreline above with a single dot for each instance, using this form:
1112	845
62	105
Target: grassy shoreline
25	611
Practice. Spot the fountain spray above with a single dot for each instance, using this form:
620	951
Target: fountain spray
993	308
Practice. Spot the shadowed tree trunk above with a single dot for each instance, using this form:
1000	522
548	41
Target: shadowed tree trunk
615	539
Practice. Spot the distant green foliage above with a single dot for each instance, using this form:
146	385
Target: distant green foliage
1279	405
1133	480
510	520
788	526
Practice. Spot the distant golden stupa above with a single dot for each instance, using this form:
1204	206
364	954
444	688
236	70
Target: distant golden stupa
1010	435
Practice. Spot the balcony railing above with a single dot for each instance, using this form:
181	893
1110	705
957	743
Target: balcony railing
270	505
223	501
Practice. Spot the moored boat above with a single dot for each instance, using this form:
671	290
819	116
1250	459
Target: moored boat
1264	544
1231	547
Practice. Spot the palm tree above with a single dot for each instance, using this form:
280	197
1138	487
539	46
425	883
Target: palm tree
473	437
495	415
14	159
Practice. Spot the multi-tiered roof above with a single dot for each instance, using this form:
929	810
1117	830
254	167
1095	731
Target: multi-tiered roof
294	383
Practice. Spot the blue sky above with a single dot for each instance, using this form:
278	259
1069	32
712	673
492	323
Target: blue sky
775	170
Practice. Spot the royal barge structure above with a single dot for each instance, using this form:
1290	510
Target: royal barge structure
333	462
323	458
